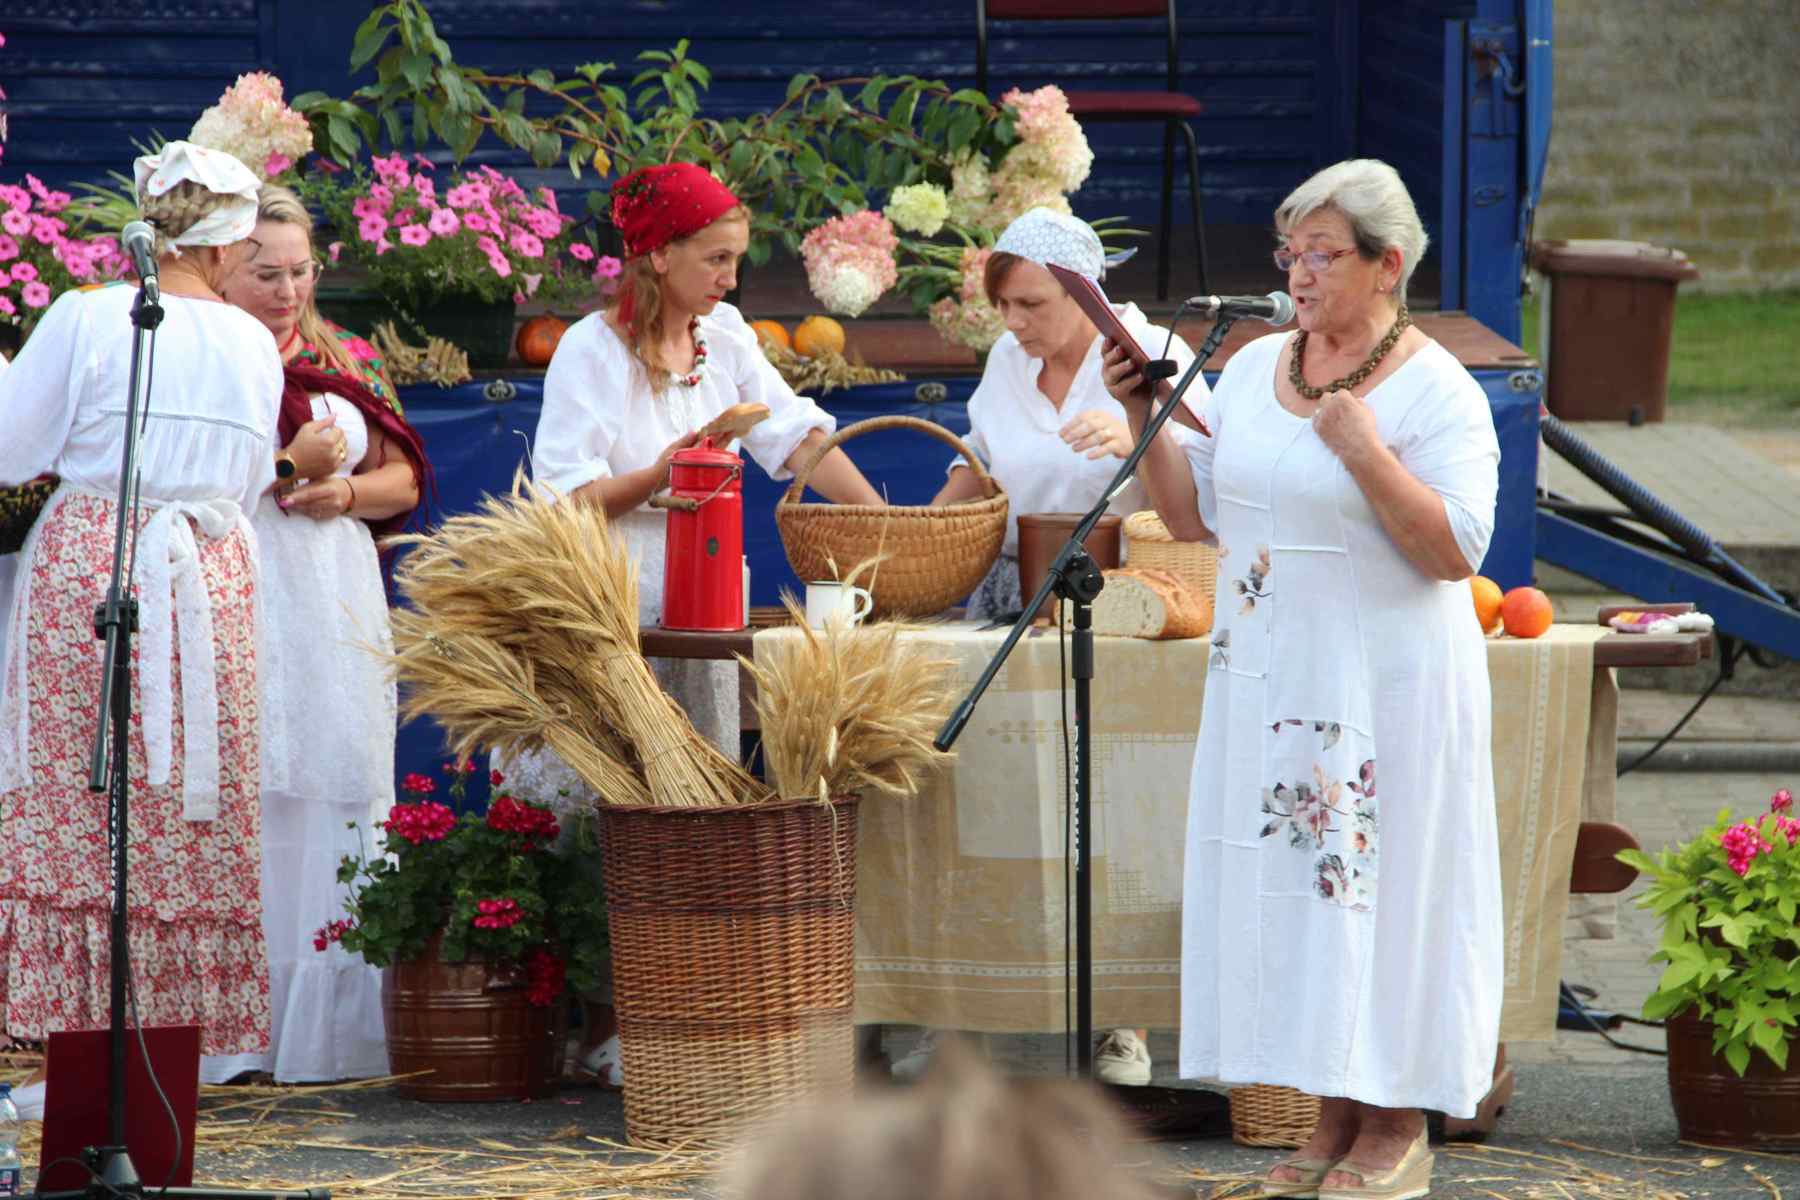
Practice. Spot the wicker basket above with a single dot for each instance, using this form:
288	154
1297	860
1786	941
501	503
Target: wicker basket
932	556
1266	1115
1148	544
734	944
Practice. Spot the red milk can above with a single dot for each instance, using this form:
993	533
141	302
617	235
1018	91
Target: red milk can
703	561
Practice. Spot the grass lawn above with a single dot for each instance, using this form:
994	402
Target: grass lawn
1734	359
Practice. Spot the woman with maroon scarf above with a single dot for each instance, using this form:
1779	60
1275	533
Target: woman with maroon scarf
354	470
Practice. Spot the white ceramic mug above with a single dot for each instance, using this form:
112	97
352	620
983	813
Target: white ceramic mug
828	599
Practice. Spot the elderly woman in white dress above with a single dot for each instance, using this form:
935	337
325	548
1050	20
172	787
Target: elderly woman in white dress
206	455
1333	943
1042	422
1041	419
631	385
354	469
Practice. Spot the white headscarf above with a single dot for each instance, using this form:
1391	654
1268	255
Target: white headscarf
1045	236
217	172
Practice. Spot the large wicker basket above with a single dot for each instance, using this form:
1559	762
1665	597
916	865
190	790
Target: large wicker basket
1267	1115
734	954
931	556
1148	543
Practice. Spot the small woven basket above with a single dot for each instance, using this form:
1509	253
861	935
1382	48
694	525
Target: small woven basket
931	556
1149	544
734	954
1268	1115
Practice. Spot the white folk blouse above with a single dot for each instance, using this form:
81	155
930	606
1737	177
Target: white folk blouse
206	454
1013	427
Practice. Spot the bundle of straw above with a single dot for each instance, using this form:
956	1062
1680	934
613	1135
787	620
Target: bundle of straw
522	633
850	710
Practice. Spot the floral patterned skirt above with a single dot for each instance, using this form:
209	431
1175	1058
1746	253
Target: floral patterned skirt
197	948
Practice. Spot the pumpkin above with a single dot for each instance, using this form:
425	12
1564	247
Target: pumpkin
538	338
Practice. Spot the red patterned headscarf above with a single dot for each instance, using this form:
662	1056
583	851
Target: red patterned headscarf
656	205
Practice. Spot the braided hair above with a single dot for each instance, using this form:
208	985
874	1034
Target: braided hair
177	210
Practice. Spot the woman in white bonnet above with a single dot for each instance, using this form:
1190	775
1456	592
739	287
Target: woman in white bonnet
1043	423
1041	418
206	455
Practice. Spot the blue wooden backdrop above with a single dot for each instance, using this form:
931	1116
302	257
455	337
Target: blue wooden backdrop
1288	86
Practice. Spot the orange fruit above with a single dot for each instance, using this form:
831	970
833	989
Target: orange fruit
1526	612
773	331
816	335
1487	601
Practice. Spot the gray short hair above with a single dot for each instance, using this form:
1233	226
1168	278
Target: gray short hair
1367	193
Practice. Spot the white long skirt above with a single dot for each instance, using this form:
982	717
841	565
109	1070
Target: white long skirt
328	723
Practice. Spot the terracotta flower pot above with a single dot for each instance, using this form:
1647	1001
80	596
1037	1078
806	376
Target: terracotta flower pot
1759	1110
470	1025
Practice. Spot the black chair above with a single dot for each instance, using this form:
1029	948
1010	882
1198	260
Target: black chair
1172	107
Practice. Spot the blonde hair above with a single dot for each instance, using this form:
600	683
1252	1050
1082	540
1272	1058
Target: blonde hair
1370	196
284	207
178	210
640	282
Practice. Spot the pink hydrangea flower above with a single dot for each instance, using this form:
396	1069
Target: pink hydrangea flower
443	222
35	293
850	261
414	235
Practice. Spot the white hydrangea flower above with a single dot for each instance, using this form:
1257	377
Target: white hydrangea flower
919	208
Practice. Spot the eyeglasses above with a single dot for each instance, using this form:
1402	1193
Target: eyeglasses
301	274
1315	260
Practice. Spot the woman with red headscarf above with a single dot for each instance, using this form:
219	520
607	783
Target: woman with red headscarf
632	384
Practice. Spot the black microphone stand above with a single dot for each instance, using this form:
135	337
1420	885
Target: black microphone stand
1074	577
111	1171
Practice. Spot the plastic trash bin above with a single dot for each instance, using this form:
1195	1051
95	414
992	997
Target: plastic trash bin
1612	306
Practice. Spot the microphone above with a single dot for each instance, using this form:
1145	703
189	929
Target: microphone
136	239
1277	308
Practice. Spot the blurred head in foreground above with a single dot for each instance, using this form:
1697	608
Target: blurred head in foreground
963	1133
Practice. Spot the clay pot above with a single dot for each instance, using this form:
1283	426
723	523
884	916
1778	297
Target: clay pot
1041	535
471	1026
1759	1110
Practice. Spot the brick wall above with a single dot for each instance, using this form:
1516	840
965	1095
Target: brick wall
1678	123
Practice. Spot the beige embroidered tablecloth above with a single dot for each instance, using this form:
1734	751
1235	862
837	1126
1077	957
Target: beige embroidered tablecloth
960	891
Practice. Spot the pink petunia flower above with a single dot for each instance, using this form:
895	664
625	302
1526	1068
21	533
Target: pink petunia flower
8	248
15	222
372	227
423	163
526	244
24	272
581	252
478	222
382	195
444	222
608	267
35	293
7	306
365	206
414	235
332	251
275	164
1781	801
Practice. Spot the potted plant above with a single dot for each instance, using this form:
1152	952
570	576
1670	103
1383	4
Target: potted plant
454	261
481	923
1730	994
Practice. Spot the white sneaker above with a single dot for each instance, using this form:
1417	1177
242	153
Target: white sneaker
913	1064
29	1100
604	1061
1122	1059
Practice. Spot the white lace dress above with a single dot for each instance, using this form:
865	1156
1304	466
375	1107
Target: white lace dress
328	722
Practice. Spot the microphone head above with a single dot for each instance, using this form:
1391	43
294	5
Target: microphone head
1284	308
137	234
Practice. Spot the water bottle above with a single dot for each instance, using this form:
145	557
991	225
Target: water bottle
11	1169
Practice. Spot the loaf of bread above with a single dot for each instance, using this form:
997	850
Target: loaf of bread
1146	603
734	422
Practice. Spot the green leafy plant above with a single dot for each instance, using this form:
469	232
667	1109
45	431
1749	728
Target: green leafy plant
493	884
1728	901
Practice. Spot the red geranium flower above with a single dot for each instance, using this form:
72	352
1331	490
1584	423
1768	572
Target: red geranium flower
418	784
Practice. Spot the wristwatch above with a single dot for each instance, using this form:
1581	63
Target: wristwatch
285	467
